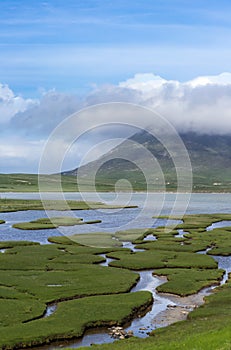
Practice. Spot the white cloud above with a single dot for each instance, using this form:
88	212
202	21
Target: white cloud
202	105
11	104
221	79
144	82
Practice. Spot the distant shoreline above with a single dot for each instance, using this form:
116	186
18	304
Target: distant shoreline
30	183
108	191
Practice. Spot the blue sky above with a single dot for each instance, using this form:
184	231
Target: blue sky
56	57
73	45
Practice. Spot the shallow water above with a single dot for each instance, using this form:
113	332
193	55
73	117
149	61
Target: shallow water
219	224
110	223
180	234
224	263
111	220
50	310
131	246
150	238
204	251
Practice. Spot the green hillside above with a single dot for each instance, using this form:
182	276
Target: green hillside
210	156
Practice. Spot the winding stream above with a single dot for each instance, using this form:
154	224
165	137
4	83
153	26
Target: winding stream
224	263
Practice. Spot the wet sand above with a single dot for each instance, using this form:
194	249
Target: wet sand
179	312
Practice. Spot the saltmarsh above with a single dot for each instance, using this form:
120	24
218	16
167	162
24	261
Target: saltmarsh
34	276
11	205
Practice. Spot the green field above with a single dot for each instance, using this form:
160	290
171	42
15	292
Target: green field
29	183
50	183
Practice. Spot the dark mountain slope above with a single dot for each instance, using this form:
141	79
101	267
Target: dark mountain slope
210	156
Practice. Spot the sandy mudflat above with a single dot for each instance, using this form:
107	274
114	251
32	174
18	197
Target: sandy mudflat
184	305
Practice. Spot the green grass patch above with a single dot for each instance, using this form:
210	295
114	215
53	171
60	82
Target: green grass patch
33	226
132	235
71	245
85	280
51	272
51	223
160	259
97	239
184	282
202	220
196	237
176	245
12	244
73	317
48	257
162	232
218	239
11	205
15	311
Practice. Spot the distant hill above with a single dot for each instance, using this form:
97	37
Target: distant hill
210	157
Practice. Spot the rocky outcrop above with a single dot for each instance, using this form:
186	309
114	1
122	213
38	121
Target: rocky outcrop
119	333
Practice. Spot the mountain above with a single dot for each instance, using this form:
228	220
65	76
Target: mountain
210	157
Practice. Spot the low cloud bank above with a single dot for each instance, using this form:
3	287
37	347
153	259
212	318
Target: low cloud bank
202	105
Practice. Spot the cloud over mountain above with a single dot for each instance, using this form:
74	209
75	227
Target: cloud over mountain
202	105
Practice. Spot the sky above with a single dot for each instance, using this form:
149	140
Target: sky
57	57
